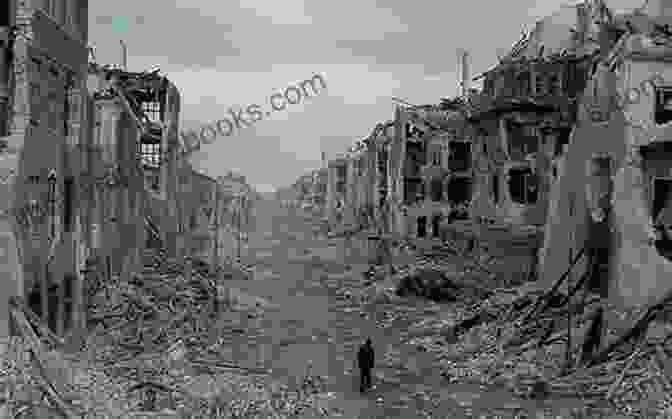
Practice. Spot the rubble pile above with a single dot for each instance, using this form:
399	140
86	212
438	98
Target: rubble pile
519	337
441	286
152	347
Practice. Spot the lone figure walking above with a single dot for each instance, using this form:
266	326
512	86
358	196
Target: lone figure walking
365	361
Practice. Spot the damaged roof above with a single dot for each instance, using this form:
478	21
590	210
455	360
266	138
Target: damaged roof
132	88
449	115
555	37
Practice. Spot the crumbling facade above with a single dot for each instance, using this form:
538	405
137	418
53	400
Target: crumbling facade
202	210
43	57
379	144
611	196
337	192
318	196
430	170
357	193
236	214
525	113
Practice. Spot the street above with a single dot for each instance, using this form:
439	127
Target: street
305	277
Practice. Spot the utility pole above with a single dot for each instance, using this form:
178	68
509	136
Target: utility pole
238	224
215	247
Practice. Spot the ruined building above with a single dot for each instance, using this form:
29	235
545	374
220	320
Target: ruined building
336	191
43	64
155	105
358	196
430	171
524	115
379	143
202	210
610	202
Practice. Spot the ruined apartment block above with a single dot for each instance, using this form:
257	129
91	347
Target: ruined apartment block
612	195
42	87
521	123
430	169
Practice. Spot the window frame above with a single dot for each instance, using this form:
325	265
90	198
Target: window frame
151	158
526	175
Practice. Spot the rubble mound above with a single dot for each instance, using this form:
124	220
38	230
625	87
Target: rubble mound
440	286
152	348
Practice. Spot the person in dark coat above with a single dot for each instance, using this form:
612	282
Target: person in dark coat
365	361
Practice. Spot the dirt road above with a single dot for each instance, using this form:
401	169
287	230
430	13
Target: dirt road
305	276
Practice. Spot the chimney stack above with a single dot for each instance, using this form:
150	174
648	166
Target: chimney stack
464	84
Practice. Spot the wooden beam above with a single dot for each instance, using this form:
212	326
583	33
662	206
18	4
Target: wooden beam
37	350
44	293
40	325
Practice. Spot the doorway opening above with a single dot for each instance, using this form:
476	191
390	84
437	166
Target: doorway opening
422	226
662	215
459	190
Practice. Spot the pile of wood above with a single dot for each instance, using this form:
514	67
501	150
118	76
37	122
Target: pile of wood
547	343
158	307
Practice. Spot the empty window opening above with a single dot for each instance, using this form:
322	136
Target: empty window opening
554	84
68	301
151	155
662	215
413	190
154	180
68	203
663	106
460	156
35	300
539	84
523	186
436	157
436	190
422	226
562	139
382	162
341	172
523	84
436	225
152	111
412	131
415	159
495	188
662	202
523	140
459	190
5	14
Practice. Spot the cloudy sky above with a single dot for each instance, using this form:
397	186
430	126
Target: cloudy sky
224	54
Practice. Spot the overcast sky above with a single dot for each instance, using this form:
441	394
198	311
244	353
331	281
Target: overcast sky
231	53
